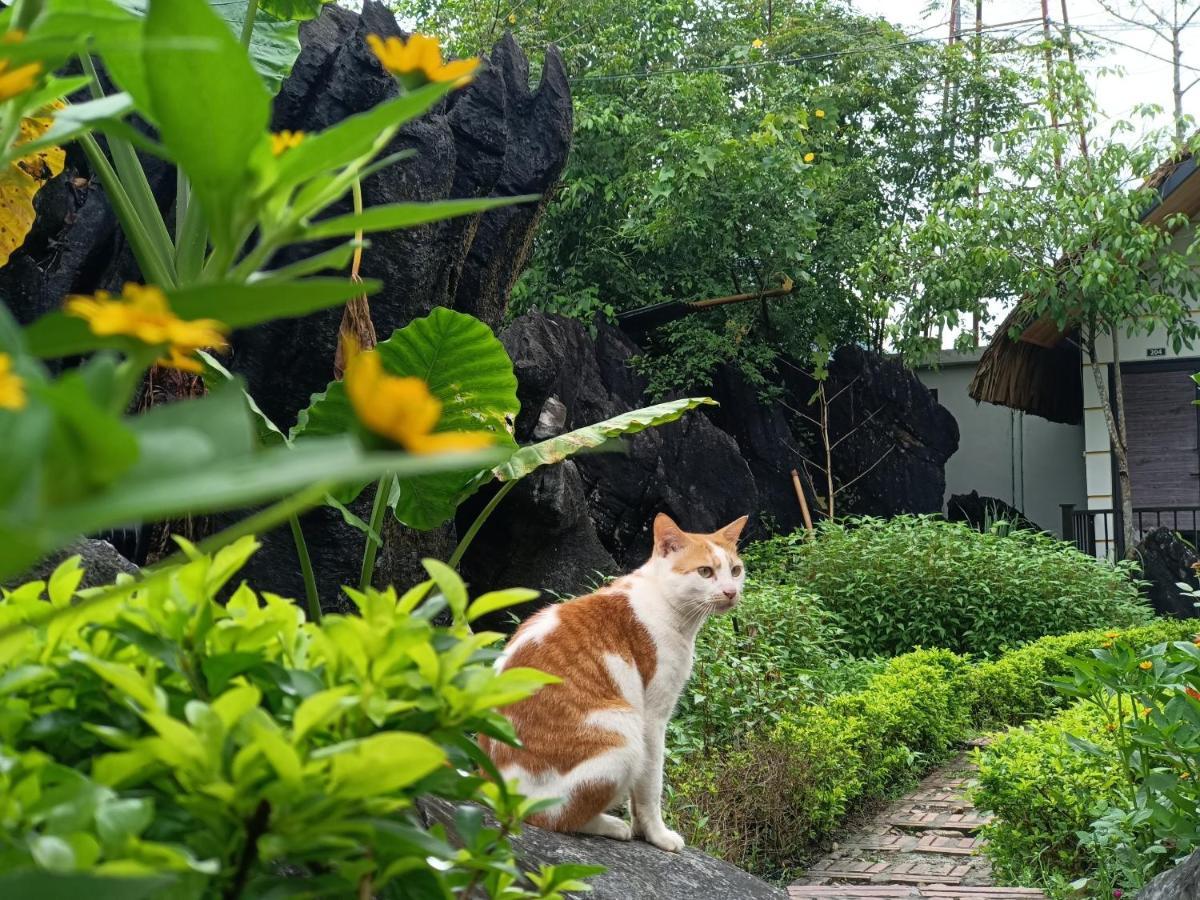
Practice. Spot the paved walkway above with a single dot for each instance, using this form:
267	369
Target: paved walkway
922	846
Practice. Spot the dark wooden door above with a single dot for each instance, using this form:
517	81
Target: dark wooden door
1162	425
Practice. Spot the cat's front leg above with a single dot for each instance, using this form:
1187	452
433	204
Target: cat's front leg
645	802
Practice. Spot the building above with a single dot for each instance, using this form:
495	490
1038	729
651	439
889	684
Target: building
1033	427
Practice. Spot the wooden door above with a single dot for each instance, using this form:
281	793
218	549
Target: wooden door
1162	427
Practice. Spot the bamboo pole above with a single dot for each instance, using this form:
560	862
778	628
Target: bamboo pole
808	524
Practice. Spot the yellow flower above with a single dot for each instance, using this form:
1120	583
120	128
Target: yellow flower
758	44
809	157
285	140
401	409
1145	710
512	18
20	79
1145	665
1112	634
1107	645
819	113
420	59
142	312
1110	727
12	386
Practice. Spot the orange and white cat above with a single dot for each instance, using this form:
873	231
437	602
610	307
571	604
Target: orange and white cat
624	654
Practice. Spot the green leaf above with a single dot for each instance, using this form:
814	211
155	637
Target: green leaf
72	886
449	584
383	763
556	449
124	818
300	10
406	215
318	711
106	114
209	104
354	137
58	334
468	370
495	600
274	41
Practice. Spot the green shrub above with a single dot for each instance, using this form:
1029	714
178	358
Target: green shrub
777	651
1017	686
762	806
199	750
921	581
1043	794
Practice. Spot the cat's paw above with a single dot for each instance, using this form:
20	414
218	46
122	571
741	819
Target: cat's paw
664	839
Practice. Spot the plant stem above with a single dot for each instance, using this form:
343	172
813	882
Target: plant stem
372	546
306	569
154	269
461	549
191	235
248	25
24	13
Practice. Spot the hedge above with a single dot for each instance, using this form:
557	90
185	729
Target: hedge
765	805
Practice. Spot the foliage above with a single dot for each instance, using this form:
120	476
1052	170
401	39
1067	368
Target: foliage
1043	794
1019	685
777	651
1149	701
895	584
819	762
721	145
234	749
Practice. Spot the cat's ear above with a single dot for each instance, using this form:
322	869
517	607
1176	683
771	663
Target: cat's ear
730	533
668	537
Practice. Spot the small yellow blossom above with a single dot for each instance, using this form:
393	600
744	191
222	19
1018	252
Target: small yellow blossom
758	43
20	79
1146	711
809	157
419	59
1112	634
142	312
1185	775
819	113
12	385
1145	665
512	18
401	409
285	140
1110	727
1107	645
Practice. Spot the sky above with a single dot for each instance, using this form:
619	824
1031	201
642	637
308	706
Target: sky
1145	79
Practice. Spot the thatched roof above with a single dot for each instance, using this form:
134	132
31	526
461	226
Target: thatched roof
1039	371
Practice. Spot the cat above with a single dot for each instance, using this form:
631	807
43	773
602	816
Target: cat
624	654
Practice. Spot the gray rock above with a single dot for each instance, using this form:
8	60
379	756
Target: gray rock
101	564
636	870
1180	883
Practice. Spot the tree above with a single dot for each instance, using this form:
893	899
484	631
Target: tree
722	145
1066	240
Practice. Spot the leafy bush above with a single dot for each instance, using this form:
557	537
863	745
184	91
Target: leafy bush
200	750
921	581
1043	795
1018	685
763	805
777	651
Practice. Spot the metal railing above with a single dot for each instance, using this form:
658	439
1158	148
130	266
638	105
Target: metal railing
1098	532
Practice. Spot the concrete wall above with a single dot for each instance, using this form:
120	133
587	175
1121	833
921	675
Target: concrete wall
1024	460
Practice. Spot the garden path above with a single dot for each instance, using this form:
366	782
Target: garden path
921	846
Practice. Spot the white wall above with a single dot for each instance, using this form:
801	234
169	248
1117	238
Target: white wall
1027	461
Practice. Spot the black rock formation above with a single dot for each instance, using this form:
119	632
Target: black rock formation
1180	883
981	511
1166	561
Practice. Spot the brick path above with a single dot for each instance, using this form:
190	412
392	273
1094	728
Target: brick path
922	846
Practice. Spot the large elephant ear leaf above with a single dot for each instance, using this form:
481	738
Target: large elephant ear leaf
468	370
298	10
556	449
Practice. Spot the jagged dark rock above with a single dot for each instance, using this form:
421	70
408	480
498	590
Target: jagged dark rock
590	517
1179	883
636	870
1166	560
100	560
894	437
980	511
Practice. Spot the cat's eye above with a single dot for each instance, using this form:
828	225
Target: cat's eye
737	570
705	572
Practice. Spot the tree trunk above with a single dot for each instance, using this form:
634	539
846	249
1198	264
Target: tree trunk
1115	420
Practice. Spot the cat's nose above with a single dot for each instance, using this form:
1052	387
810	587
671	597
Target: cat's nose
730	594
